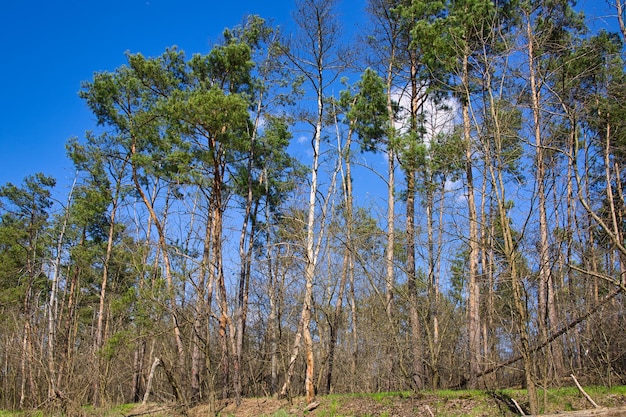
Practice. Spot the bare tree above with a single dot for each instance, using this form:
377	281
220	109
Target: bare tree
315	55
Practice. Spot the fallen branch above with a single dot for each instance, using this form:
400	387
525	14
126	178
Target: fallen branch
584	393
312	406
595	412
521	412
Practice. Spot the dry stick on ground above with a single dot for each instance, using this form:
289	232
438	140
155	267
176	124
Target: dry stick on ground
312	406
555	335
582	391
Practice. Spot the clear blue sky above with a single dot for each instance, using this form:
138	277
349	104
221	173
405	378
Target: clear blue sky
51	46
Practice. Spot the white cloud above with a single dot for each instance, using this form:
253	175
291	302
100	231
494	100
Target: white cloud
439	118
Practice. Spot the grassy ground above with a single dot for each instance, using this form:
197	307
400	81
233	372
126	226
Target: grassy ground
443	403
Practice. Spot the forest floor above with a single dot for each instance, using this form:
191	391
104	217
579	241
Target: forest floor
439	403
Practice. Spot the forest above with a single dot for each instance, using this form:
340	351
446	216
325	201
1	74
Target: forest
434	203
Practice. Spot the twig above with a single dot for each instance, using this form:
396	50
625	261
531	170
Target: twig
584	393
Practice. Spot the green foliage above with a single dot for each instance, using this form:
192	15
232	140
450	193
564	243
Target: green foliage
24	238
600	87
445	155
458	278
274	173
427	23
366	110
230	64
115	343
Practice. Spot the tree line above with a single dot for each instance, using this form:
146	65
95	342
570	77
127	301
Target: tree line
457	218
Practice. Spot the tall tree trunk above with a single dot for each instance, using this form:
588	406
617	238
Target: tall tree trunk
322	65
27	356
487	260
53	308
520	313
391	215
26	375
436	292
166	263
140	348
311	255
245	257
304	328
273	320
496	168
68	338
414	317
201	311
432	325
490	343
222	298
416	329
546	303
615	197
473	286
354	333
98	379
390	279
347	269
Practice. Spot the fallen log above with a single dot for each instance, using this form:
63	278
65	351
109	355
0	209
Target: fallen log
595	412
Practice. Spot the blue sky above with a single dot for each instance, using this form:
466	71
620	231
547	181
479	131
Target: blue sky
52	46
